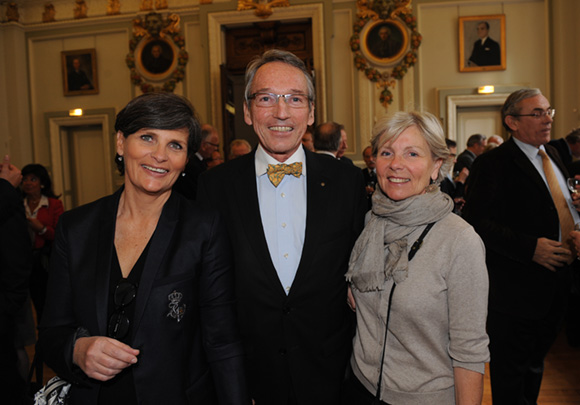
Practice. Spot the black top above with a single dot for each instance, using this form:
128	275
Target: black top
121	388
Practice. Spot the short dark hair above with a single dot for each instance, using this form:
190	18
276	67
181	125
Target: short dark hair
450	143
483	22
510	106
42	174
327	136
573	137
277	55
475	139
159	110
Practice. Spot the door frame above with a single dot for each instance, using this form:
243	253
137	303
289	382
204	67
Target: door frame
56	127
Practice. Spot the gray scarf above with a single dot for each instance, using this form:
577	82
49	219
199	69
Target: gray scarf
381	250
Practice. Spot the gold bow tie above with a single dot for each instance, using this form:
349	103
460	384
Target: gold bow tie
277	172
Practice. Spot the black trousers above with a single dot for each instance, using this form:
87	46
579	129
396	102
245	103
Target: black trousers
354	393
518	348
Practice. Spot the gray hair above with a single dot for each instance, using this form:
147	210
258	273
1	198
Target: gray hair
510	107
277	55
388	129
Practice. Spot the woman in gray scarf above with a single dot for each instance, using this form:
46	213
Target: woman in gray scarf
436	344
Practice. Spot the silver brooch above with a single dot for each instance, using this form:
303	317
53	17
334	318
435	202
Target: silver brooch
175	311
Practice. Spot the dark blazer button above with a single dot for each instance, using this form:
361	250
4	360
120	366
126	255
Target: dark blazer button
282	352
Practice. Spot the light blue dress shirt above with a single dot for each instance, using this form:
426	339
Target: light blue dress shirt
283	213
533	154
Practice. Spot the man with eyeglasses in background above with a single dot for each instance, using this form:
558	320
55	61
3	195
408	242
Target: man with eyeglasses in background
518	202
293	217
186	184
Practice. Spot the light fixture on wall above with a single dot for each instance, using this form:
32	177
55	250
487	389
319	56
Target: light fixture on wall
486	89
77	112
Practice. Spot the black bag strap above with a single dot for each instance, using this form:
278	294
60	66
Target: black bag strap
416	246
36	367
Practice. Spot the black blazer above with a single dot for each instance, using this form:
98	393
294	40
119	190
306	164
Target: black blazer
301	340
563	150
189	253
510	207
488	54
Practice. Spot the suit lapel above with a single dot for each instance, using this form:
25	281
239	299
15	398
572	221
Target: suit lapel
248	209
317	199
105	246
523	162
157	250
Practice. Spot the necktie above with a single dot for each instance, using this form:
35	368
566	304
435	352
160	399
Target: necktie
277	172
566	220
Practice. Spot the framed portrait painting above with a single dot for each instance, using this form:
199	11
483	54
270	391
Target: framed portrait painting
482	43
79	72
384	42
156	58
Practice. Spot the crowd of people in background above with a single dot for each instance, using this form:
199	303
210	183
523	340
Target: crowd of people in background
287	275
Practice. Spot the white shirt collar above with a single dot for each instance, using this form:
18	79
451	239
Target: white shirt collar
529	150
262	160
325	152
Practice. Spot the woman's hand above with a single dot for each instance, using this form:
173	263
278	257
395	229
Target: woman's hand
350	299
575	235
35	224
102	358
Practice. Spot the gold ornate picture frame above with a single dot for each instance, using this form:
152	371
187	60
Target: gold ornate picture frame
475	56
384	42
79	72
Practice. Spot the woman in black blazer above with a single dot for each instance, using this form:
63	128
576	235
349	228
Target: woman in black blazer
140	296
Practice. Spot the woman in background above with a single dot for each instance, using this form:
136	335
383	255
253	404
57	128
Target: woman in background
433	322
43	209
140	304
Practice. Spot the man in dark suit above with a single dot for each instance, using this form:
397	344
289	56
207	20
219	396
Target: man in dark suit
568	148
293	217
518	202
15	267
486	52
327	138
343	147
475	146
186	184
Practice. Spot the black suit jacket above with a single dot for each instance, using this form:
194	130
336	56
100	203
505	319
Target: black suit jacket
300	341
510	207
187	184
189	253
487	54
464	159
563	150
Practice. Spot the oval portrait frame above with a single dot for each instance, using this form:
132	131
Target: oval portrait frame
140	64
370	46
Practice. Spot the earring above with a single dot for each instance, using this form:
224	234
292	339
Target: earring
120	158
182	174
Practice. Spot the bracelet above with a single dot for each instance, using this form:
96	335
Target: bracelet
42	231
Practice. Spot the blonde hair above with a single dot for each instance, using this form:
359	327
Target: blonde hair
389	128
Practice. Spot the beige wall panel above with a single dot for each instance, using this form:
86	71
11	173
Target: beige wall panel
15	134
526	46
343	100
115	88
196	70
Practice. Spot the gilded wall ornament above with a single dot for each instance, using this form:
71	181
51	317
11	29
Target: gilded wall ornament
12	13
263	7
157	56
385	37
113	7
49	13
80	10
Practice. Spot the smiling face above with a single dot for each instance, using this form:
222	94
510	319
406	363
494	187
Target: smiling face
530	130
280	128
31	185
154	158
405	165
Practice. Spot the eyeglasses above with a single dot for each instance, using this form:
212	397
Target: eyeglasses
550	112
125	293
271	99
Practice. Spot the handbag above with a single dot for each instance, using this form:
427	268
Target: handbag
55	392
